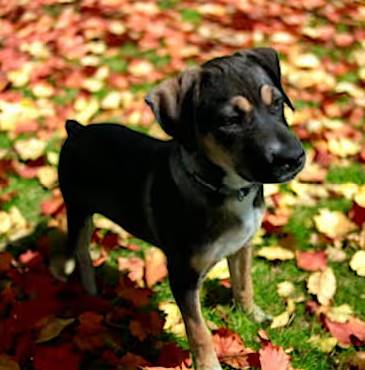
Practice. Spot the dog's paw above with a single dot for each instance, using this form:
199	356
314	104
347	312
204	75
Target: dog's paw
259	315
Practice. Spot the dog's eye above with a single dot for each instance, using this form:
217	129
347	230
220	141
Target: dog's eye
276	105
232	120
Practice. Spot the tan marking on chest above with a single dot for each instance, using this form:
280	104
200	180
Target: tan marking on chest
233	238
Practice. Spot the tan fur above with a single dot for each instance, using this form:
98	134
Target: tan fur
216	153
241	279
200	340
242	103
266	94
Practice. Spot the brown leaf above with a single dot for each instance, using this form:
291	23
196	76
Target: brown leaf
51	327
351	332
155	266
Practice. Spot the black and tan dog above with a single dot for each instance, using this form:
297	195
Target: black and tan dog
199	197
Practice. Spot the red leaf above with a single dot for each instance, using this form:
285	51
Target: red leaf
52	206
56	358
5	261
274	358
172	356
351	332
130	361
311	261
357	214
231	350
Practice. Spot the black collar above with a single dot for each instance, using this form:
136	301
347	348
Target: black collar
220	189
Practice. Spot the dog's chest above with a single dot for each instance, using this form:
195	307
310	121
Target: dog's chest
243	218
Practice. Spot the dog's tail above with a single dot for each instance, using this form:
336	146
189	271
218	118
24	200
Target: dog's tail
72	127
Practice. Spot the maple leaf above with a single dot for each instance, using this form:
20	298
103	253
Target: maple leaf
351	332
155	266
231	350
134	266
5	261
273	358
60	357
311	260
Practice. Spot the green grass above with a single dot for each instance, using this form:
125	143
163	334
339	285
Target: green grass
355	173
29	195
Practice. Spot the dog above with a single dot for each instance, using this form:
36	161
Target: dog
199	196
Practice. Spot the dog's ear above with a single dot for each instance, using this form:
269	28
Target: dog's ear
268	59
172	101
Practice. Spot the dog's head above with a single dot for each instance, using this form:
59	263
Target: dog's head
232	110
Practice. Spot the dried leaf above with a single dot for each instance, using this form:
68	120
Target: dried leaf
275	253
323	344
155	266
311	260
323	285
357	263
51	327
274	358
333	224
280	320
285	289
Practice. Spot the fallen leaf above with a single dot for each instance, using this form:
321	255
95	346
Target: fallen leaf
61	357
173	319
155	266
280	320
323	285
340	313
7	363
333	224
47	176
134	266
30	149
219	271
51	327
275	253
351	332
323	344
230	349
273	358
311	260
285	289
357	263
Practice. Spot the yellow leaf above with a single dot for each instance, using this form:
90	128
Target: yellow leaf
43	90
47	176
307	61
51	327
333	224
219	271
275	253
343	147
5	222
173	319
30	149
323	344
360	196
112	100
86	108
323	285
6	363
340	313
285	289
357	263
280	320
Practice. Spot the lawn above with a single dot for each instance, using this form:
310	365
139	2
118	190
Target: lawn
94	61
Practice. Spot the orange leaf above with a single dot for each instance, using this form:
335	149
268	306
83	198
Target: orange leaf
274	358
231	350
155	266
311	261
351	332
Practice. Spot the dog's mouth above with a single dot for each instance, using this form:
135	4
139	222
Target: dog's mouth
287	174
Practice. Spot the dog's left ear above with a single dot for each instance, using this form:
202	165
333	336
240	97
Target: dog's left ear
172	102
268	59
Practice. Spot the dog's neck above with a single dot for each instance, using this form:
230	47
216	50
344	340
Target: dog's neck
211	178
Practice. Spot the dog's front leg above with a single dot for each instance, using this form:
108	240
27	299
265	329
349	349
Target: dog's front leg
185	287
240	265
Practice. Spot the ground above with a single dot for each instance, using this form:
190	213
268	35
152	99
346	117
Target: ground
94	60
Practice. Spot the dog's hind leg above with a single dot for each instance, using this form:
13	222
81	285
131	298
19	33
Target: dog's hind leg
185	287
80	229
240	265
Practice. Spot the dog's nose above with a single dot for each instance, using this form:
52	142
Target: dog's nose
287	158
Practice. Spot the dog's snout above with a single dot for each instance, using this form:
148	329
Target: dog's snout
287	158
